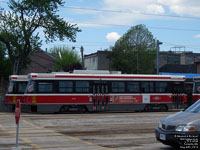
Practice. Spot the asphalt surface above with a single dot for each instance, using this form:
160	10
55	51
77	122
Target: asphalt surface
91	131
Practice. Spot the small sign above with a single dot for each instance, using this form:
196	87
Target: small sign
17	111
162	137
146	99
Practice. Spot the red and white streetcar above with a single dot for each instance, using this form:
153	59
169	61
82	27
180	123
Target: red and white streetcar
103	91
196	89
16	90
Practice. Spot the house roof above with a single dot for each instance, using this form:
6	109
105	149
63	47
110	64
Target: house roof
41	62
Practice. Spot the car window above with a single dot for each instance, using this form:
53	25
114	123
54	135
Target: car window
195	108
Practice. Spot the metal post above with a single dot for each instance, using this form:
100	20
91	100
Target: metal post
17	136
82	57
137	62
158	49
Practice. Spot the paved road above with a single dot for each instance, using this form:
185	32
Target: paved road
93	131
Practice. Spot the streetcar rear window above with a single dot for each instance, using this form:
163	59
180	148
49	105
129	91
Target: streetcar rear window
65	86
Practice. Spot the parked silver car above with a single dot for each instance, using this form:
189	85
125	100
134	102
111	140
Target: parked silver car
182	129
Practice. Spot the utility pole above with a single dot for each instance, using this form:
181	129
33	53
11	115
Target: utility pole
158	51
82	57
137	62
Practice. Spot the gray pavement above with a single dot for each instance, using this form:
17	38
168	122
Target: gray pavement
95	131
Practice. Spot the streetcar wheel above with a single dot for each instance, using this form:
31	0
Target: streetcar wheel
163	108
64	109
82	109
148	108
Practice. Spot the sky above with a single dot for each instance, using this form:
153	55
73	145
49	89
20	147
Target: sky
176	23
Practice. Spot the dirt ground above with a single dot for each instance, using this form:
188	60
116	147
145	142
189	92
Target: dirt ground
91	131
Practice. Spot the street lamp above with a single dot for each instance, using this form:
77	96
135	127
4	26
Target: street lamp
82	56
158	49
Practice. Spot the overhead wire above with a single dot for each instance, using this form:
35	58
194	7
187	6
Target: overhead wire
129	12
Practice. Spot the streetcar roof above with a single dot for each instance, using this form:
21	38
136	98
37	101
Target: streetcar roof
60	75
18	77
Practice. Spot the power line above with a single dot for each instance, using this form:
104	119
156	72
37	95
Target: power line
123	25
129	12
186	46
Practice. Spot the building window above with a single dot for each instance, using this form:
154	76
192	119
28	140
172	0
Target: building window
173	59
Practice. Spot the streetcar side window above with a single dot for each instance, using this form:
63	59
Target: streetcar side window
118	87
161	87
133	87
82	86
65	86
45	87
147	87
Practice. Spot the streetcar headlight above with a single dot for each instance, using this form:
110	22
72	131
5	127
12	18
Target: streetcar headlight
186	128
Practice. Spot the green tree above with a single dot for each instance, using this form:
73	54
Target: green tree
64	57
5	65
19	28
134	52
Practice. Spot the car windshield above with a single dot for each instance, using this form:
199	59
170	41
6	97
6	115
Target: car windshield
194	108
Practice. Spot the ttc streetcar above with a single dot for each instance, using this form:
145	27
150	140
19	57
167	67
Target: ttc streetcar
16	89
62	92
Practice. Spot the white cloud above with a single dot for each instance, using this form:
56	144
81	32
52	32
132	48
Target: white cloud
197	36
182	7
112	36
155	9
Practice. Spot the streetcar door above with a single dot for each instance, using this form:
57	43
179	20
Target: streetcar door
178	94
100	98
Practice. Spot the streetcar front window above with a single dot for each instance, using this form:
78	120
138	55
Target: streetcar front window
197	87
21	87
11	87
17	87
